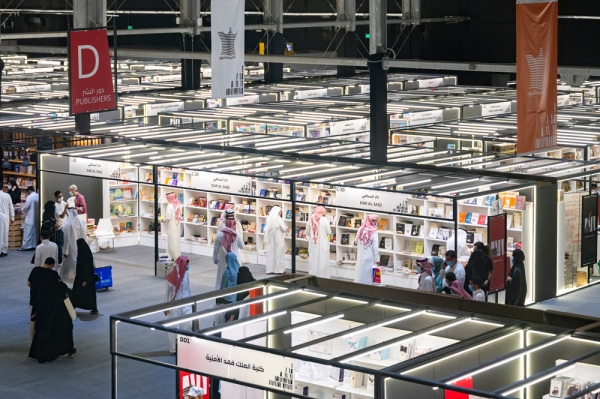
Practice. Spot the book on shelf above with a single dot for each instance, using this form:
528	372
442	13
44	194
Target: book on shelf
115	194
190	218
435	250
420	247
333	238
262	228
128	193
382	225
462	217
517	221
127	210
148	177
384	260
433	232
509	221
345	239
129	227
408	228
482	220
444	233
263	193
449	212
468	218
214	221
470	237
520	202
122	227
342	221
146	193
301	233
474	218
479	233
416	230
288	214
489	199
400	228
356	223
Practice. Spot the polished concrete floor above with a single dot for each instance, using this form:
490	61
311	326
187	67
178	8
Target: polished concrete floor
88	375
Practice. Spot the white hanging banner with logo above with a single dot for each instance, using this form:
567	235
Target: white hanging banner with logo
227	45
223	183
379	201
490	109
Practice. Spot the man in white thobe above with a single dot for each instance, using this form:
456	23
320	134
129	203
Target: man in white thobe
31	221
47	249
7	215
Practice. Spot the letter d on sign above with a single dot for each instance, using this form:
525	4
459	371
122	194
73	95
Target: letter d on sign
80	59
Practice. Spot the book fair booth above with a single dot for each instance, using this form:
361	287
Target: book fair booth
318	338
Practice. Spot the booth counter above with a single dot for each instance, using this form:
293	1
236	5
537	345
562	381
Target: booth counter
311	337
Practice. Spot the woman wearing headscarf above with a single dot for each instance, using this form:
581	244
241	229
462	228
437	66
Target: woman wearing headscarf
455	287
178	287
173	219
275	239
83	295
227	240
367	242
73	230
516	283
14	191
53	324
49	221
317	230
479	265
426	276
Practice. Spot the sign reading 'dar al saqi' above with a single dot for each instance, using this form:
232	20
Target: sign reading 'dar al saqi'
95	168
239	364
379	201
222	183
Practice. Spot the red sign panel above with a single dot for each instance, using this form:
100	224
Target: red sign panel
497	244
464	383
189	380
91	83
537	47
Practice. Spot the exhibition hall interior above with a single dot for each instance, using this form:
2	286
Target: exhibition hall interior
281	199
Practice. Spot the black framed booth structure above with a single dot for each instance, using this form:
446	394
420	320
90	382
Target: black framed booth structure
298	184
312	337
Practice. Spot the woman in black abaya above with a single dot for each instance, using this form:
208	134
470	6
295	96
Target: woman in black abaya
53	324
84	286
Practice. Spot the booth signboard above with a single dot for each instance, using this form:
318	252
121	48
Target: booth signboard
227	44
589	228
433	82
95	168
153	109
464	383
242	100
564	100
349	126
497	243
314	93
537	48
503	107
425	117
91	85
235	363
378	201
222	183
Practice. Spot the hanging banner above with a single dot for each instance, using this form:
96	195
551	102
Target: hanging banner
497	244
589	229
227	45
537	47
91	86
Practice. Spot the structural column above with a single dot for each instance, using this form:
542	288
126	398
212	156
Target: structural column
544	263
348	47
273	14
378	81
190	69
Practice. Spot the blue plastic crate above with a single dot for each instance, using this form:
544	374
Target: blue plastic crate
105	277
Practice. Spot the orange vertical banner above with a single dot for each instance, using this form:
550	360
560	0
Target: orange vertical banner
537	47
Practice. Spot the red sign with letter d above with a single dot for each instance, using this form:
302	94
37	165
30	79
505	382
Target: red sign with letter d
91	86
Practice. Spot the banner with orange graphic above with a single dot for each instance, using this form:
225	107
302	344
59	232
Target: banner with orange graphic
537	47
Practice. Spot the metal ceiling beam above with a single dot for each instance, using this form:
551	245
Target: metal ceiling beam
300	60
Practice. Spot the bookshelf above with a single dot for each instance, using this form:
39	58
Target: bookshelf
24	176
422	230
122	206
